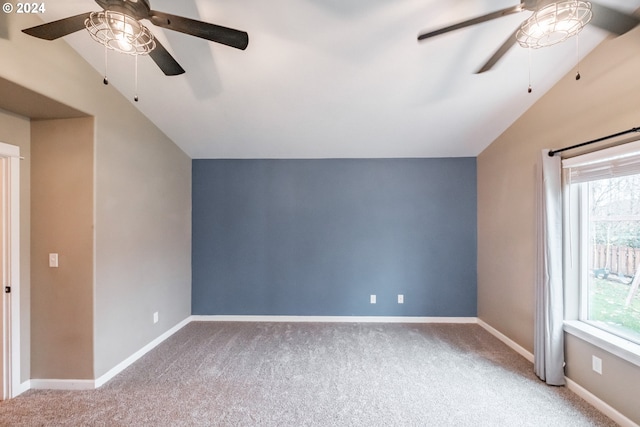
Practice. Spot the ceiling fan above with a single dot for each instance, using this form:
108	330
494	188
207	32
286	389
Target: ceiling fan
547	12
119	28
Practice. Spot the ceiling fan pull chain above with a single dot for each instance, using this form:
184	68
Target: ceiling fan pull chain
529	89
106	66
578	55
135	97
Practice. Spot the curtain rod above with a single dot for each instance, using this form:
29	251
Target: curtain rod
560	150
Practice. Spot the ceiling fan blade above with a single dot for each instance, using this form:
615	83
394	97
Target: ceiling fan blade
165	61
502	50
215	33
612	20
474	21
56	29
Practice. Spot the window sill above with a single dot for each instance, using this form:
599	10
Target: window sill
613	344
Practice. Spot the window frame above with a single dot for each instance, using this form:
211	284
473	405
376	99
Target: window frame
575	221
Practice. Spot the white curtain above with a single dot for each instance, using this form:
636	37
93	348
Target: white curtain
549	311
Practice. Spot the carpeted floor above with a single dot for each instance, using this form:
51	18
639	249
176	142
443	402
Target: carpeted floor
312	374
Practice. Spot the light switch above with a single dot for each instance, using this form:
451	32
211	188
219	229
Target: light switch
53	260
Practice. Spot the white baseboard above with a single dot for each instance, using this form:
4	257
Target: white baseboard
333	319
138	354
62	384
508	341
53	384
91	384
599	404
595	401
22	388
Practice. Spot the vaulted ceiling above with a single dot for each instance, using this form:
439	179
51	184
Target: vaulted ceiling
337	78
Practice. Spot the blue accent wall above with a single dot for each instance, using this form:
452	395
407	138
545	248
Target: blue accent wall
317	237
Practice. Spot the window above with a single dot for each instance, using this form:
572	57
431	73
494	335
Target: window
611	246
603	206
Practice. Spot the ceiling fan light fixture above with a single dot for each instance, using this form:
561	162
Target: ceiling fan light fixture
120	32
554	23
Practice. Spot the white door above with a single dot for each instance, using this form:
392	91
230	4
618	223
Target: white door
4	359
10	270
6	301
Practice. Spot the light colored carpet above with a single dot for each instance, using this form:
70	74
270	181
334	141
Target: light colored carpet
312	374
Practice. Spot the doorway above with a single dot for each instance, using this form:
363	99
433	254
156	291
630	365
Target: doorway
10	270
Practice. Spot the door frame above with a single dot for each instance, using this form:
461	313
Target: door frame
10	205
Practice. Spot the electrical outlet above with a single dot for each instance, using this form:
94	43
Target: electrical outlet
400	299
596	364
372	299
155	317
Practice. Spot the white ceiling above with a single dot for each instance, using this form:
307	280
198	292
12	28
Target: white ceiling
336	78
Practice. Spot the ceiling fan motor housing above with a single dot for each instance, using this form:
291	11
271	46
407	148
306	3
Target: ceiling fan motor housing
138	9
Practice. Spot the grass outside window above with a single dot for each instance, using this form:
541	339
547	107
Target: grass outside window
608	309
